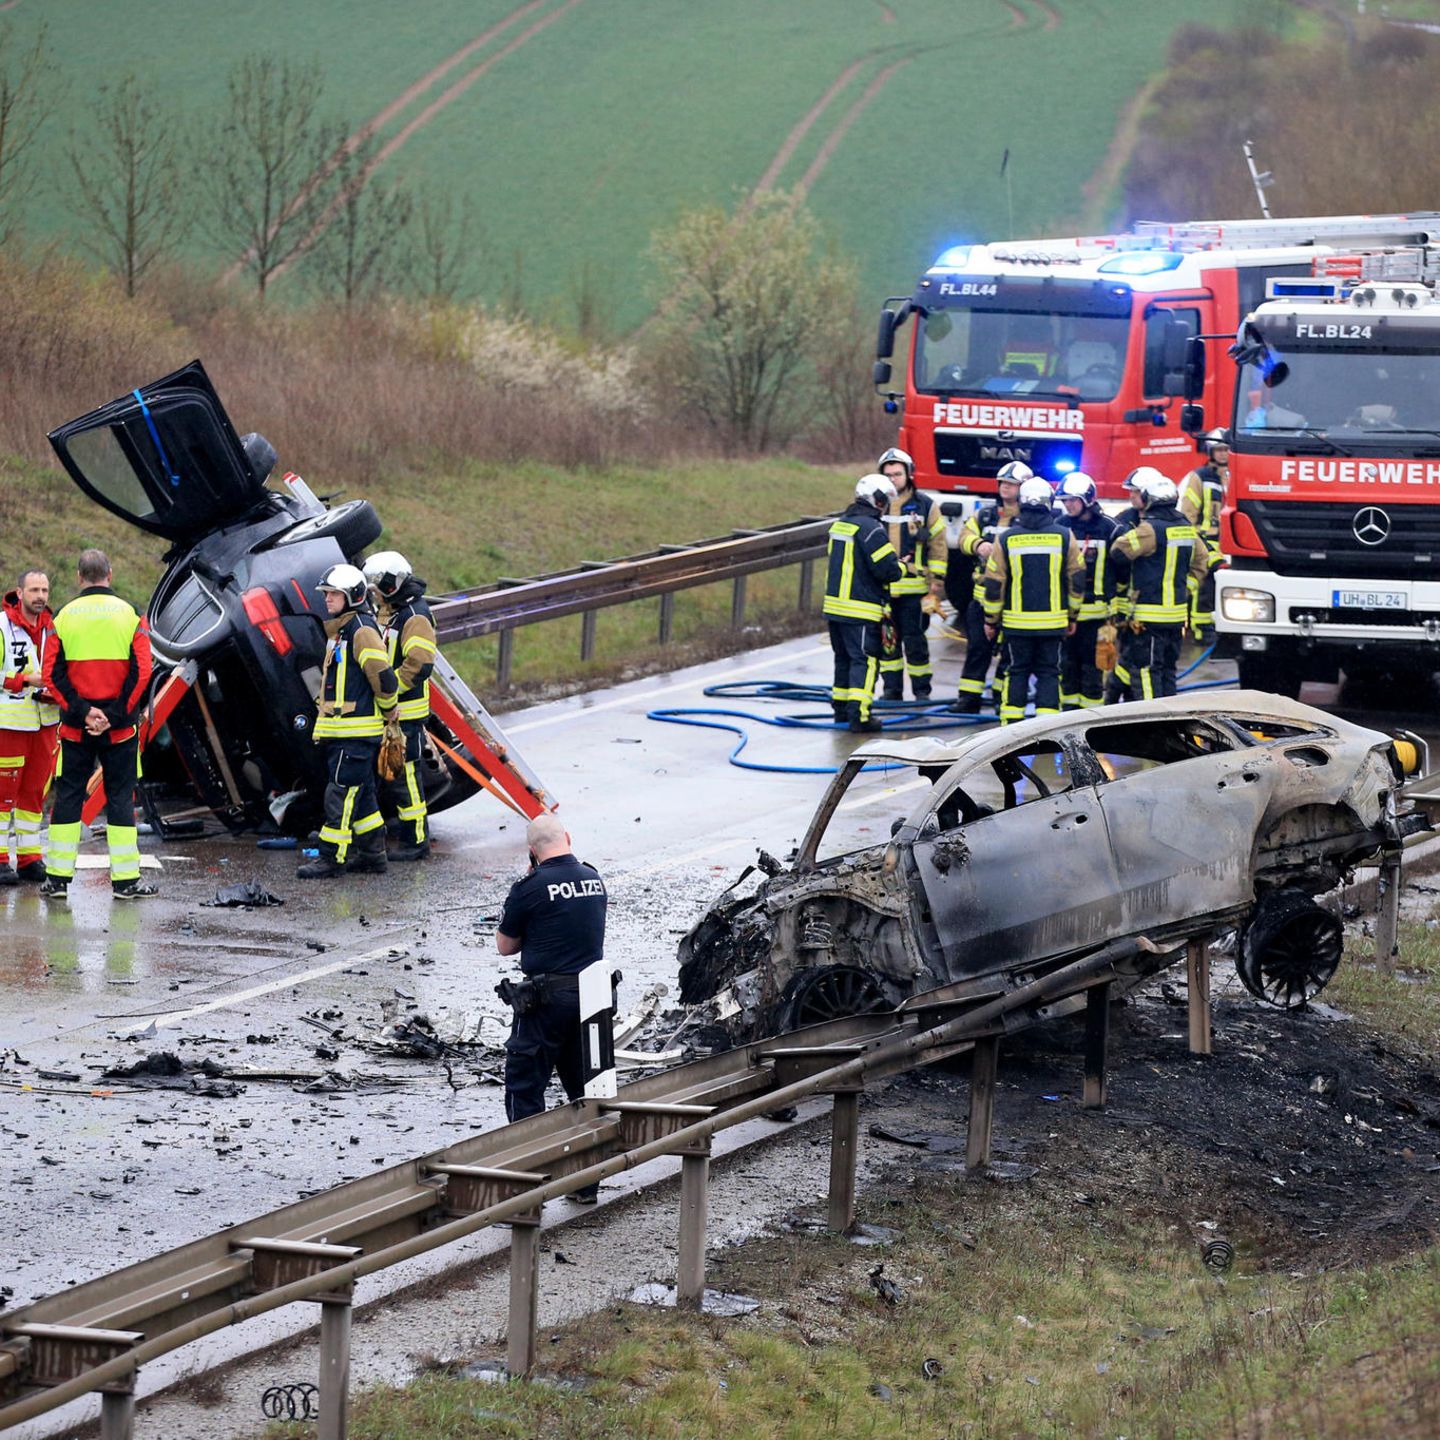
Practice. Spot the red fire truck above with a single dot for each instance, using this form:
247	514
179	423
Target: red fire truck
1332	516
1071	354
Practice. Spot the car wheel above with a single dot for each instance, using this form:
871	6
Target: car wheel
829	992
1290	949
352	526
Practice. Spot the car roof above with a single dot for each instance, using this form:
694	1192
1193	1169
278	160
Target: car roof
928	750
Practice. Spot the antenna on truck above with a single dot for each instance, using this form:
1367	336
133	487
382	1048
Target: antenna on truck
1261	179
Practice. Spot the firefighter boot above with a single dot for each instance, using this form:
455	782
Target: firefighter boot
8	876
920	689
966	705
411	852
841	711
370	859
324	867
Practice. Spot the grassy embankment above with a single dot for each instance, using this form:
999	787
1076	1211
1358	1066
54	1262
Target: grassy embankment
463	529
1050	1316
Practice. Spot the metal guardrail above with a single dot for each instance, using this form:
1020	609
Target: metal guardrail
504	606
94	1337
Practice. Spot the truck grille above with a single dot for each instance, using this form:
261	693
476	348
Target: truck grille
983	455
1345	615
1318	538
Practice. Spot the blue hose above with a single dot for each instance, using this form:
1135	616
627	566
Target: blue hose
907	715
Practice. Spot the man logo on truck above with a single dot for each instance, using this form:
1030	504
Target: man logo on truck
1371	525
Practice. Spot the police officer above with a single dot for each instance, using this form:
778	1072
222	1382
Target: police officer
357	691
1163	552
1202	497
554	919
860	567
917	529
1082	684
977	540
99	669
409	633
1034	580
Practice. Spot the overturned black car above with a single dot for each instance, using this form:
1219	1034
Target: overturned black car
236	619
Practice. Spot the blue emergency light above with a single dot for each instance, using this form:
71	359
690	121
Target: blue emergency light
957	257
1064	467
1141	262
1279	288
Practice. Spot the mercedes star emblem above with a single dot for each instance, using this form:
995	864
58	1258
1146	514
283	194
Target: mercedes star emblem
1371	525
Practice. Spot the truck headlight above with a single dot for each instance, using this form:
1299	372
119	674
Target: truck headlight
1249	607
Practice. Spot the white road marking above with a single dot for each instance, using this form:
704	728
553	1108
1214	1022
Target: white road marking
581	711
174	1017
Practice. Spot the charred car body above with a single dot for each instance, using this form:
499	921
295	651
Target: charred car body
1000	856
237	600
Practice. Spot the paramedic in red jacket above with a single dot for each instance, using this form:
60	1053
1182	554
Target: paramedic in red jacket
29	724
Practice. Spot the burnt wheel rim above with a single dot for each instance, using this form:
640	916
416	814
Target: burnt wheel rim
1296	961
832	994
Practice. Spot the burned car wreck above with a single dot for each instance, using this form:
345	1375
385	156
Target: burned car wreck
999	856
236	624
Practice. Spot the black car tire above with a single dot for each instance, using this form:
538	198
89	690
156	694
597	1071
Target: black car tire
1290	949
352	526
829	992
1275	673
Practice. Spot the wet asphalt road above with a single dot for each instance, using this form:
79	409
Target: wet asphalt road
97	1181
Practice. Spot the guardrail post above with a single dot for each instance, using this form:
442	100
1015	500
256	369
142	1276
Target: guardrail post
117	1415
1197	985
667	616
694	1215
504	659
1097	1044
587	634
334	1422
737	603
1387	913
984	1063
807	585
844	1152
524	1293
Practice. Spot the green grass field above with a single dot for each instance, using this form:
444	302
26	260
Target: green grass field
610	118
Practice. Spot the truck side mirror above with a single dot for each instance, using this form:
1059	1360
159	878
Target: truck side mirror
1194	368
885	338
1192	419
881	373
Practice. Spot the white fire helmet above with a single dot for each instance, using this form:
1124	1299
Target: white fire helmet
387	572
874	490
1036	494
1162	490
1014	472
1141	479
896	456
1078	486
349	581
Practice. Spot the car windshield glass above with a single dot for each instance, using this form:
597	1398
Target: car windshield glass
1146	745
880	797
98	454
1031	772
1346	395
1020	352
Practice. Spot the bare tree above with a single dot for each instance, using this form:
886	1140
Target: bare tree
736	339
267	169
359	250
26	96
128	183
445	242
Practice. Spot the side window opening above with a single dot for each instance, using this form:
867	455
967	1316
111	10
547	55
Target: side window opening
1033	772
1156	323
1261	729
1124	750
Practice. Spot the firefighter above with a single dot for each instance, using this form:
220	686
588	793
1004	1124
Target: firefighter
977	539
98	668
29	725
1163	551
1082	683
1202	496
1034	581
918	531
554	919
860	566
358	690
1117	592
409	634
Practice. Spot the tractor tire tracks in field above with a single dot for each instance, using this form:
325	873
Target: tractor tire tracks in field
402	102
833	139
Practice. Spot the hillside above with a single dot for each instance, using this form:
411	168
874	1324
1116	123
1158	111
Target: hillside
579	126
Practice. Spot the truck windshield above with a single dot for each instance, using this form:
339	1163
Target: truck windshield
1020	352
1345	395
